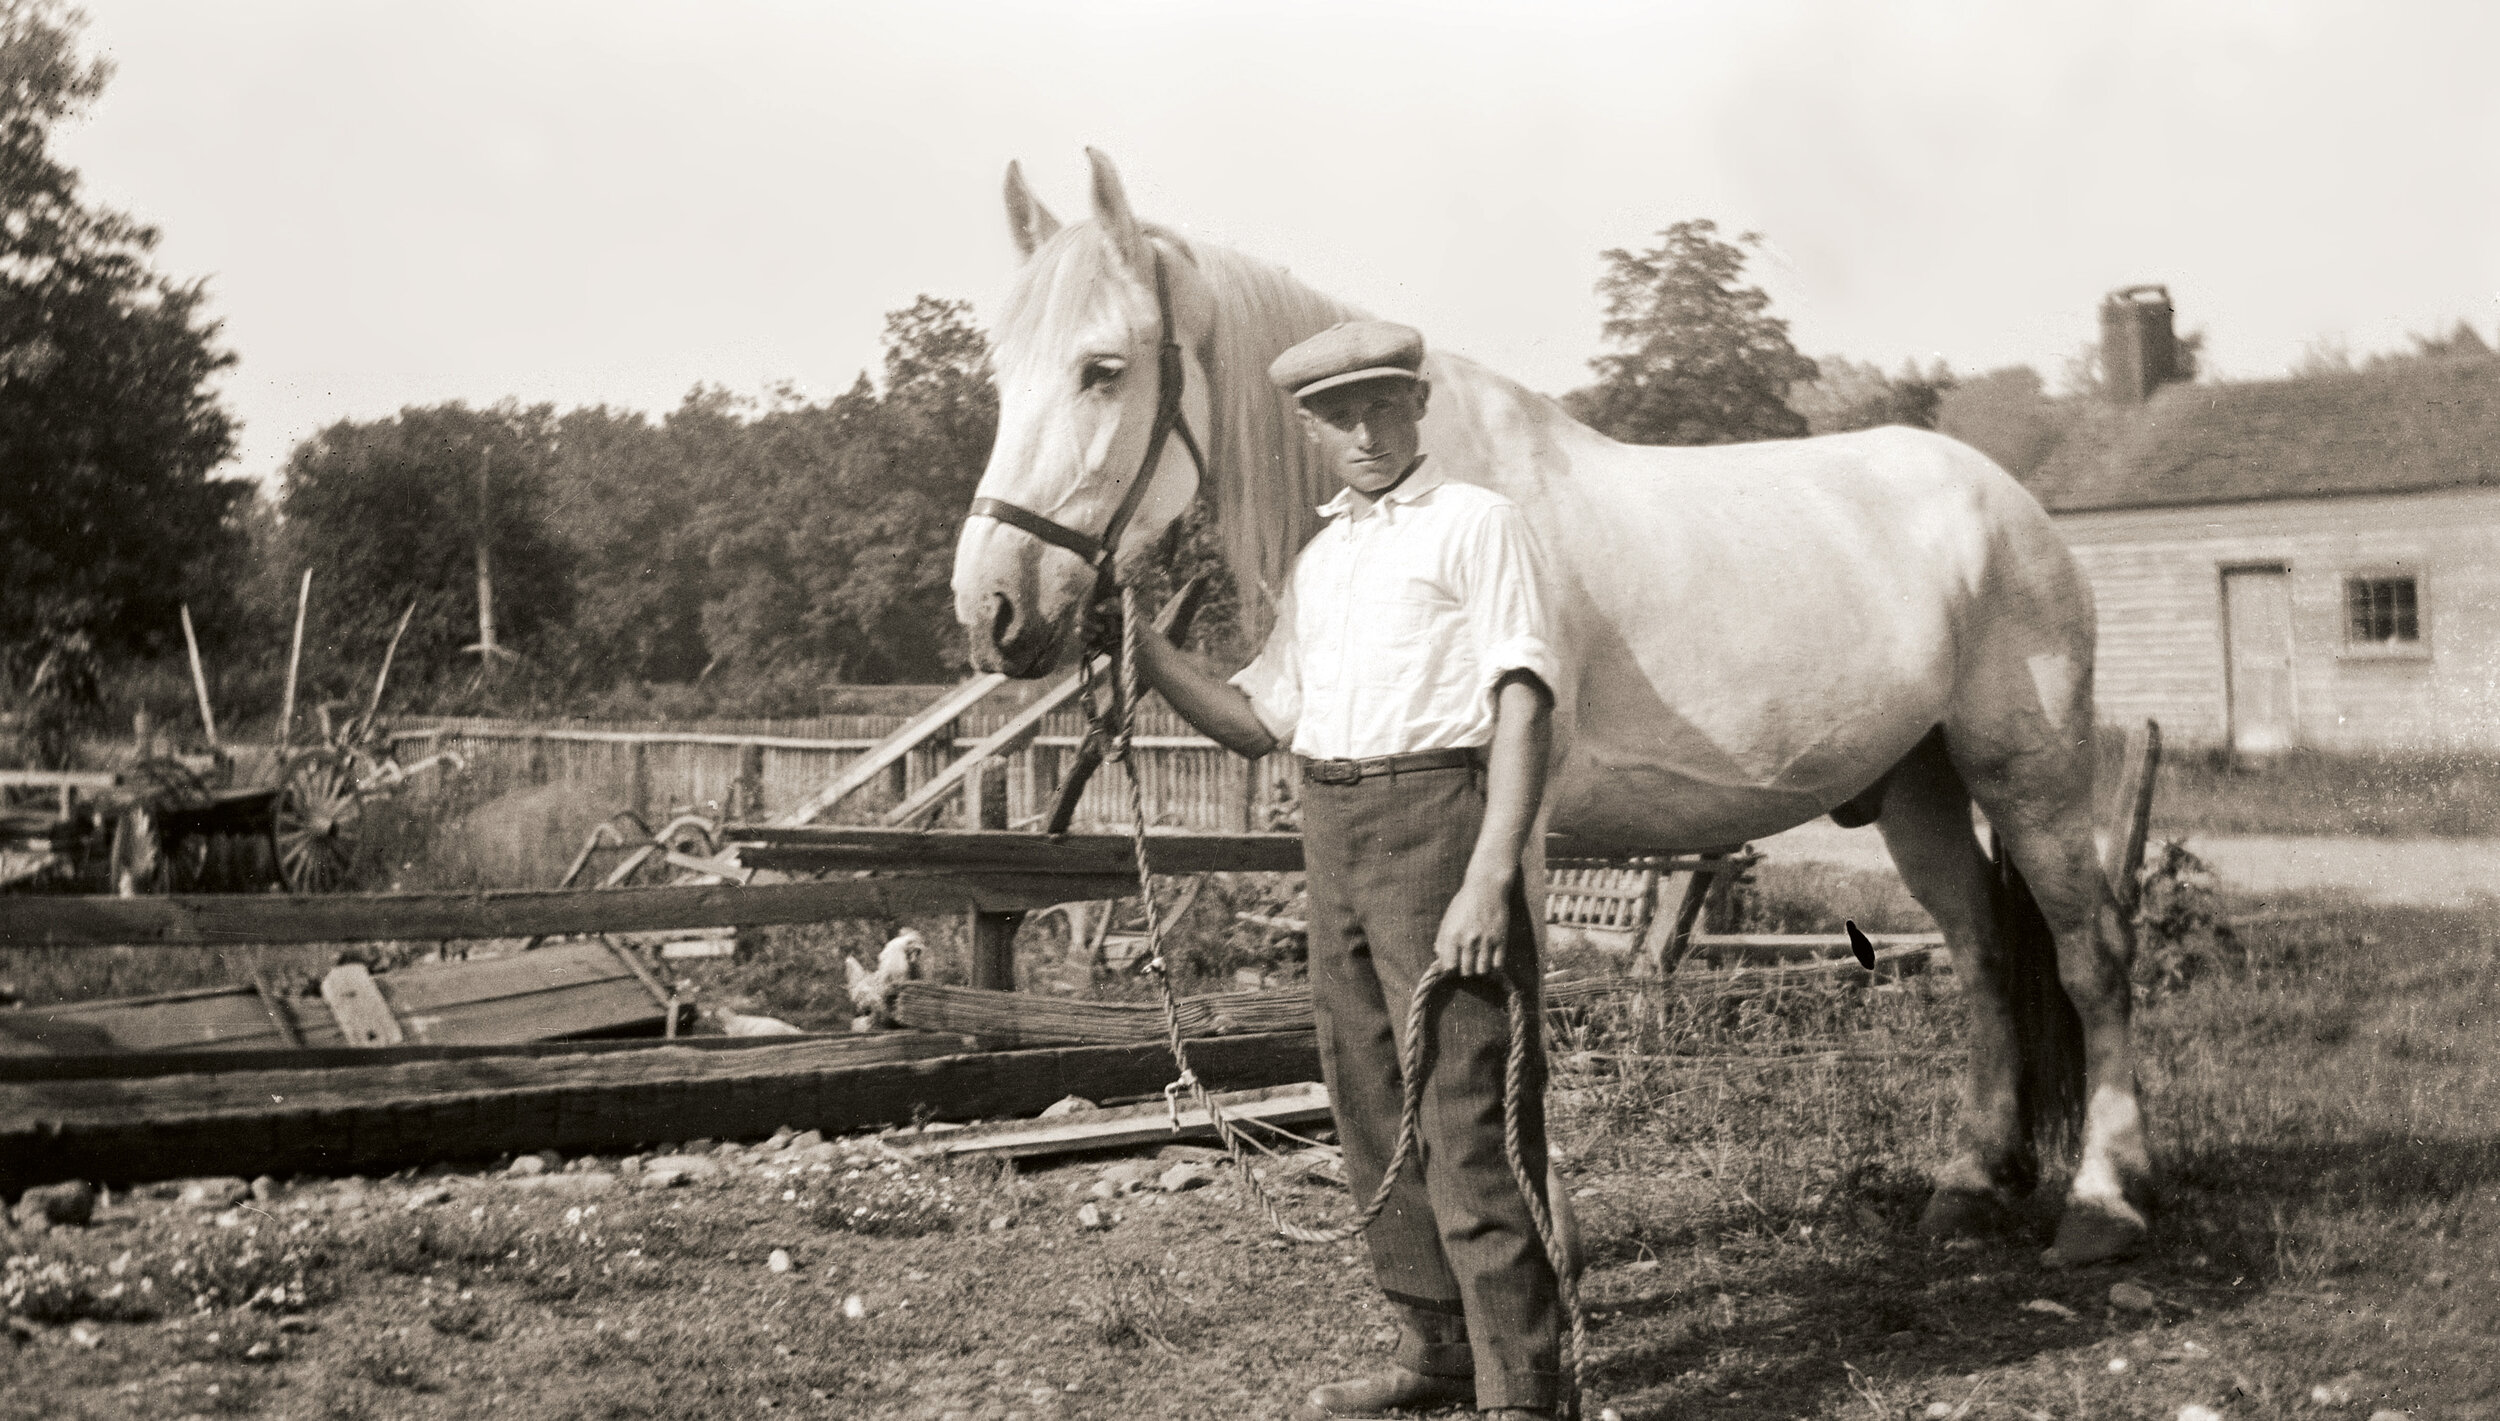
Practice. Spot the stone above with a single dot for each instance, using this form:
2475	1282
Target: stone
2339	1392
1001	1224
1184	1175
1939	1410
581	1164
216	1192
818	1153
779	1262
526	1166
1090	1216
1129	1174
2193	1412
2133	1297
265	1188
1068	1105
70	1203
2050	1306
2390	1414
429	1196
1193	1154
807	1139
854	1307
568	1185
693	1147
670	1170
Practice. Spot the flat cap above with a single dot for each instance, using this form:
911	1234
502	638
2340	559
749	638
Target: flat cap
1347	352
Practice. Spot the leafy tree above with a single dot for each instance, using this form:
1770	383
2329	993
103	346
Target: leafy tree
1698	360
1847	395
108	427
2009	416
388	513
832	537
619	498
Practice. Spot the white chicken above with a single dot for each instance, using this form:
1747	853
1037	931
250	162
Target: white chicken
872	992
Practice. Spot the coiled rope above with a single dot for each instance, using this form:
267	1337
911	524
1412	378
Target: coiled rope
1117	728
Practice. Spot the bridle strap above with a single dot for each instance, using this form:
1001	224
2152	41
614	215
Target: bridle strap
1170	378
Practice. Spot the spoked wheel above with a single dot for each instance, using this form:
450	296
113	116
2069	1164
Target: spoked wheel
316	824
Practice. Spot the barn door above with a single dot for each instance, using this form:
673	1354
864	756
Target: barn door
2257	657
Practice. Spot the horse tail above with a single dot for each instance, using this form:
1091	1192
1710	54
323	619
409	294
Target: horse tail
2048	1033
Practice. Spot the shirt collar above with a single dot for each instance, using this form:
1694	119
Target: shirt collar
1425	478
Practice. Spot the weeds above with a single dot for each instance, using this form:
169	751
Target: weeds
1133	1304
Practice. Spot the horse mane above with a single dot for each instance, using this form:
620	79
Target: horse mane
1262	476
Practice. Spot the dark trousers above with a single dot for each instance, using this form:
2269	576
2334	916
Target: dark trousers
1456	1252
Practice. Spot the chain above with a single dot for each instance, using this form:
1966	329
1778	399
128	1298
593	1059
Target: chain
1412	1053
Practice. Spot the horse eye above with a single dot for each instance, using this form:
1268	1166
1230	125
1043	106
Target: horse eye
1101	370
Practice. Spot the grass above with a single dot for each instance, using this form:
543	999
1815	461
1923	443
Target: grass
2382	795
2321	1094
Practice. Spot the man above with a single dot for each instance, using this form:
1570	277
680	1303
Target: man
1410	671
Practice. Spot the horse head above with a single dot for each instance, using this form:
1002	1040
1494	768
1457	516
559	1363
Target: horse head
1082	375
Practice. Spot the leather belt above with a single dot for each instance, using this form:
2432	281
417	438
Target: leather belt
1346	772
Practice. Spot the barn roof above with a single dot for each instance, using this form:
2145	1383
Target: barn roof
2408	427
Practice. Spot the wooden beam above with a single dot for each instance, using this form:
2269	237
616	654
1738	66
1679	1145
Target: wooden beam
29	920
364	1018
1305	1103
371	1120
894	747
836	847
636	737
860	1049
1173	621
2135	809
1007	1018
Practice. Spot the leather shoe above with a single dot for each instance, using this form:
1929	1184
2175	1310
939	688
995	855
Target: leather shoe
1395	1390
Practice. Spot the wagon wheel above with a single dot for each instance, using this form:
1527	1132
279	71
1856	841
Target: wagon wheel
317	823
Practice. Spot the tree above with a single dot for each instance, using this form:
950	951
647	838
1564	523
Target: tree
388	512
620	499
831	538
1698	361
1847	395
108	428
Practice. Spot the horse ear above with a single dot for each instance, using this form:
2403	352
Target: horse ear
1028	221
1111	209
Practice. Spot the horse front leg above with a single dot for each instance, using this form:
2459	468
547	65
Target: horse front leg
1926	823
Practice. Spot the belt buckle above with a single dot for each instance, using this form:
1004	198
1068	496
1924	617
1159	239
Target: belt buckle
1336	772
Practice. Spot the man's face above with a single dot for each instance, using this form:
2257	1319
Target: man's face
1367	431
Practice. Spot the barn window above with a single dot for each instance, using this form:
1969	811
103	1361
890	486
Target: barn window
2382	612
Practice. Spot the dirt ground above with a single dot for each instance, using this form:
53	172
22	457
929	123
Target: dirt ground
2321	1095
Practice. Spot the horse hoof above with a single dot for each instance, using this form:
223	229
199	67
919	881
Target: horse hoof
1962	1213
2095	1233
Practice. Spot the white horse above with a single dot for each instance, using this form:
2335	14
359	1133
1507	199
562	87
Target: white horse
1875	625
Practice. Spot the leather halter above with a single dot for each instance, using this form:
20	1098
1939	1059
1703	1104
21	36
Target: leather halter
1098	550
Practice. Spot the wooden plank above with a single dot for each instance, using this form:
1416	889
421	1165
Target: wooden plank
821	848
371	1120
59	779
139	1065
639	737
1305	1103
364	1018
1172	621
894	747
2135	809
29	920
616	1007
276	1006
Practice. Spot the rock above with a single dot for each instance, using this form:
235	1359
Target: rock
526	1166
1001	1224
429	1196
779	1262
2050	1306
2193	1412
581	1164
297	1323
86	1334
230	1219
260	1352
1090	1217
1129	1174
669	1171
2118	1366
854	1307
2339	1392
71	1203
1184	1175
807	1139
729	1151
1194	1154
264	1188
2390	1414
568	1185
1068	1105
2133	1297
692	1147
1939	1410
218	1192
818	1153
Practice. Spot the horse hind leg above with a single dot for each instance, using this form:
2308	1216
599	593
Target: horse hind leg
1926	824
2039	800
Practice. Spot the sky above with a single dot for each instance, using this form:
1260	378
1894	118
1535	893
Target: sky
614	202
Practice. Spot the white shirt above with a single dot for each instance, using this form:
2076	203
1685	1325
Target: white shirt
1398	620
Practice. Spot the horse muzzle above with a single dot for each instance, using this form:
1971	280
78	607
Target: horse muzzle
1006	637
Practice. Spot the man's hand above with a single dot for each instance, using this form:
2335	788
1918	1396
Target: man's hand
1102	627
1475	930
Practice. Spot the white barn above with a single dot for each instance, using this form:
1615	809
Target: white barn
2310	562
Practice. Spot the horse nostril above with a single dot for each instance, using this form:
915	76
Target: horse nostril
1002	619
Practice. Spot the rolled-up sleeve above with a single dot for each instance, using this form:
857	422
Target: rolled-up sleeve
1273	679
1502	574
